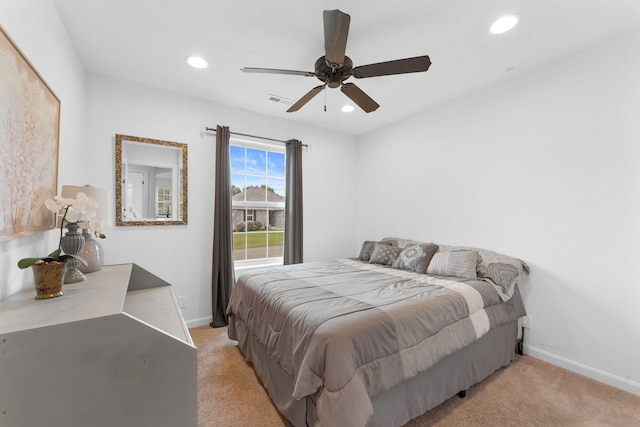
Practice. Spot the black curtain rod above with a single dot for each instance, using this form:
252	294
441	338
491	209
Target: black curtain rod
252	136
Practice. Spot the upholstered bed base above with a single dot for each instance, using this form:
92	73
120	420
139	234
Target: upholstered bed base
408	400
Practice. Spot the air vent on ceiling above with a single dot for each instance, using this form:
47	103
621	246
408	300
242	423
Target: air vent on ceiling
279	99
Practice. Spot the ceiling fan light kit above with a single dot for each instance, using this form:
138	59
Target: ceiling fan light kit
335	67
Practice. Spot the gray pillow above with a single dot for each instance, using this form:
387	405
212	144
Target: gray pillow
502	271
457	263
415	257
367	249
384	254
401	243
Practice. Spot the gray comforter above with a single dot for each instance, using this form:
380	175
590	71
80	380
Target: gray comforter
346	330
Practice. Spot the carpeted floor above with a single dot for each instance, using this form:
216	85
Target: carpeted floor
528	392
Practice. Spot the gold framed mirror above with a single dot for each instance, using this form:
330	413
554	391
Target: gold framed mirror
151	181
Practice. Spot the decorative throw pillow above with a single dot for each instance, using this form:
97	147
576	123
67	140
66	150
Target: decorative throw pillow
401	243
367	249
461	264
415	257
502	271
384	254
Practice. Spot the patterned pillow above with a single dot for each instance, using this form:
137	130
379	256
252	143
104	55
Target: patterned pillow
502	271
458	263
384	254
367	249
415	257
401	243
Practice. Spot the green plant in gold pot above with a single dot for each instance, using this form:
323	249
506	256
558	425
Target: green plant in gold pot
48	271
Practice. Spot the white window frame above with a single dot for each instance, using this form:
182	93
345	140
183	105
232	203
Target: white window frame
247	264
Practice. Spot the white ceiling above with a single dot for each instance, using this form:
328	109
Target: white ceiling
147	41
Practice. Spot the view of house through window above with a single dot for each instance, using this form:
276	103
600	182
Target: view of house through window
258	190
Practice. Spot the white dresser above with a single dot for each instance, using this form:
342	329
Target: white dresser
114	350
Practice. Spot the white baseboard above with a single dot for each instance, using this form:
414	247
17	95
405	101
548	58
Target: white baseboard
193	323
587	371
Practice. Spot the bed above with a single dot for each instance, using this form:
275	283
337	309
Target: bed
379	339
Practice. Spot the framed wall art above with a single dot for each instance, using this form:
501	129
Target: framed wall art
29	139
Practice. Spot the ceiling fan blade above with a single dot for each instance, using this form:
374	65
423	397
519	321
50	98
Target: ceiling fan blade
359	97
306	98
336	30
276	71
399	66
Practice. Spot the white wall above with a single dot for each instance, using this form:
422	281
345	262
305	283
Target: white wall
544	167
182	254
37	30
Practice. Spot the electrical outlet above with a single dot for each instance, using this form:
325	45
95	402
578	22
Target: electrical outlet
182	301
526	322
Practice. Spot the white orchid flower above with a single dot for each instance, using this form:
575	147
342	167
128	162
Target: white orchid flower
97	227
81	209
58	203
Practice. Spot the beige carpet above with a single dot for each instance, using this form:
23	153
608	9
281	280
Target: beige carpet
528	392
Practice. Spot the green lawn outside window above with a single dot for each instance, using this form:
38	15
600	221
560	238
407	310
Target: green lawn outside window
257	239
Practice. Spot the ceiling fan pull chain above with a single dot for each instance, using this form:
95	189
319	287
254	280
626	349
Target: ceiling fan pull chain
325	98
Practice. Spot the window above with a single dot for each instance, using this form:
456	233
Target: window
163	202
258	194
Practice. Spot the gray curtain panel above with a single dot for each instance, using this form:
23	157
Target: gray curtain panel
223	276
293	204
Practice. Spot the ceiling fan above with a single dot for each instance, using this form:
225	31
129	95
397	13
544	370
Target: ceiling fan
335	67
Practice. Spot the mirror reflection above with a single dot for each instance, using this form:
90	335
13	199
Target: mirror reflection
151	181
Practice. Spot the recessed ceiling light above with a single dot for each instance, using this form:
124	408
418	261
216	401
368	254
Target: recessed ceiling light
504	24
347	108
197	62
